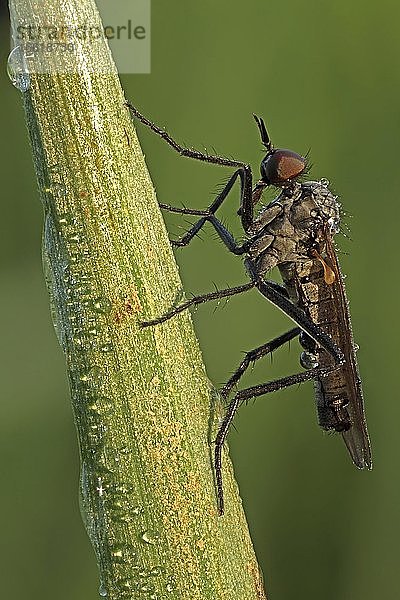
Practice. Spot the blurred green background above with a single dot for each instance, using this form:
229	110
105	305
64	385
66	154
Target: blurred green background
325	76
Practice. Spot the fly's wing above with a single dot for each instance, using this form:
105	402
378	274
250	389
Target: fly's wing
356	437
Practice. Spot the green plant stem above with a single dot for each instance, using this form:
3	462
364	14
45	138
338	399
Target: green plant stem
144	410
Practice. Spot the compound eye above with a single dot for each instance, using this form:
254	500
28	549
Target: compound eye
281	166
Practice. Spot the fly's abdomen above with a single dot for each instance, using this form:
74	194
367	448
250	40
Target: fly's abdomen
331	408
331	393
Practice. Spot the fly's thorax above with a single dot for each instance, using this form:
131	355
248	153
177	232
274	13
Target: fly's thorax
293	224
288	273
327	207
316	210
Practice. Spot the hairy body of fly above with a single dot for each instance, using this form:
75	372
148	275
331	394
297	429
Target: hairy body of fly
294	233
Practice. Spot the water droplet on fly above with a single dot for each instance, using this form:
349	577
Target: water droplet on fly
102	591
84	289
324	182
17	69
308	360
150	537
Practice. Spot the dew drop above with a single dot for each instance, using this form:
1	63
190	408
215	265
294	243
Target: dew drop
100	305
81	344
146	588
122	489
324	182
125	451
118	511
100	487
102	590
93	330
84	289
308	360
117	555
90	374
74	238
66	219
124	584
17	70
150	536
58	189
93	409
156	571
107	347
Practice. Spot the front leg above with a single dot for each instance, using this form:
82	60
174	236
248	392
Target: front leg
253	355
242	169
208	215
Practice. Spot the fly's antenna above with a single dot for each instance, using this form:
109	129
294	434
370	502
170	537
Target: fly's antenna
264	133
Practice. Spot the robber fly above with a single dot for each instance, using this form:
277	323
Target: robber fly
294	233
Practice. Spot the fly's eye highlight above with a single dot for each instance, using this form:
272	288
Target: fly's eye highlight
282	166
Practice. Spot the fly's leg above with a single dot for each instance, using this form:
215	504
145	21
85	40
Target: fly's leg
224	234
242	170
189	152
199	300
273	293
248	394
208	216
254	355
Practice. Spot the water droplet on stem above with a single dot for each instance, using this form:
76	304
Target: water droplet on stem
150	537
17	69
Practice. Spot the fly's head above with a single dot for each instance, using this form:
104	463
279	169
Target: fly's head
279	167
